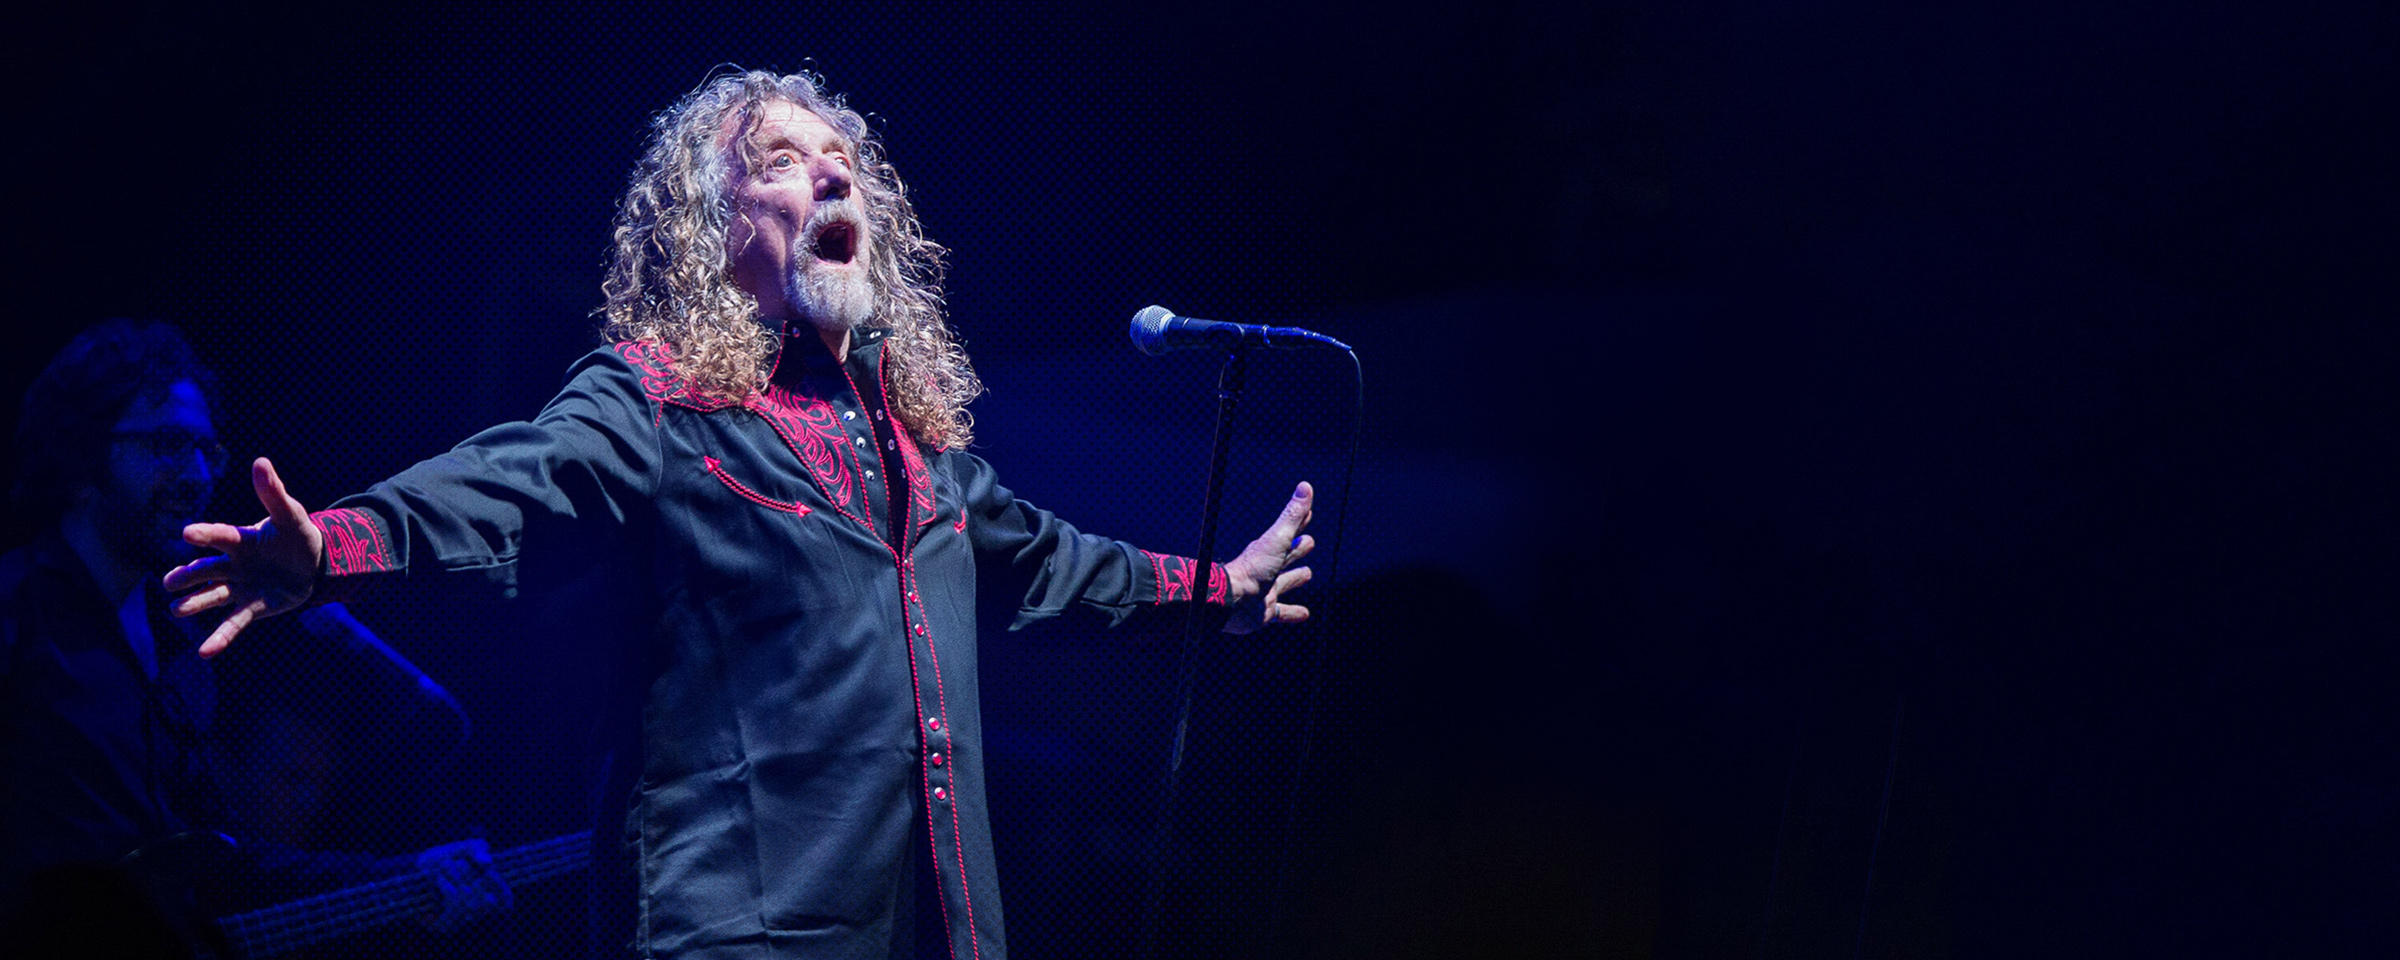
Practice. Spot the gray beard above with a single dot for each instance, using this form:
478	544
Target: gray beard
828	300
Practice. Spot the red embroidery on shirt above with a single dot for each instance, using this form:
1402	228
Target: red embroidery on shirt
808	426
920	489
1160	584
1173	575
659	379
353	544
715	469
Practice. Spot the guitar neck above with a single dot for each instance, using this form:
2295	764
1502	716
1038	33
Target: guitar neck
290	926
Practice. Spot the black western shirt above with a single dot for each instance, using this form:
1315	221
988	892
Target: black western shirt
808	707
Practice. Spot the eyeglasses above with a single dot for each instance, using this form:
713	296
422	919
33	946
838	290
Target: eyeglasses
173	444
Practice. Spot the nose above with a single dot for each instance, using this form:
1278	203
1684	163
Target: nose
191	477
832	180
198	466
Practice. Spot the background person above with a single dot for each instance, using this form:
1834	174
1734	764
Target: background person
113	732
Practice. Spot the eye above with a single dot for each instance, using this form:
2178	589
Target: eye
782	161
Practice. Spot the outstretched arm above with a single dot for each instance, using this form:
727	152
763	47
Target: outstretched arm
586	463
260	570
1256	581
1062	567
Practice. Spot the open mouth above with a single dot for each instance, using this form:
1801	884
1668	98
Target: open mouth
836	243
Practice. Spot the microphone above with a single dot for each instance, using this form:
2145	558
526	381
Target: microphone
1157	330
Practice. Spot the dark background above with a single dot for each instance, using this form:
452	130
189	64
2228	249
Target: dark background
1839	478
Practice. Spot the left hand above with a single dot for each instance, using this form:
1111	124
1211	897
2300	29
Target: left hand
267	568
471	889
1256	581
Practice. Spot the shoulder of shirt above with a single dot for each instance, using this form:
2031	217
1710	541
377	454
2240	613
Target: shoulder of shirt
647	361
958	458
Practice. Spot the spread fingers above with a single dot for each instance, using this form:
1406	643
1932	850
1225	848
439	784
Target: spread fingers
1286	581
195	573
223	635
212	536
208	599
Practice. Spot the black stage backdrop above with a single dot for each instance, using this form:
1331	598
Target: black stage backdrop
1854	478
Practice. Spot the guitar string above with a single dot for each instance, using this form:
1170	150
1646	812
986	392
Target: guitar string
309	911
315	919
359	909
293	925
530	860
334	914
524	865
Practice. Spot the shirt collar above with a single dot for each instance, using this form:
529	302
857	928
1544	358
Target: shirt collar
805	356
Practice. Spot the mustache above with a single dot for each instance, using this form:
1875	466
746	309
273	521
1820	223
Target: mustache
827	216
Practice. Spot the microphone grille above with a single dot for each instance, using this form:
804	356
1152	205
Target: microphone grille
1150	330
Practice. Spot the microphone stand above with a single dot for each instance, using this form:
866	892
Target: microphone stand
1229	393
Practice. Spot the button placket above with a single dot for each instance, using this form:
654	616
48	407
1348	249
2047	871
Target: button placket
937	746
948	858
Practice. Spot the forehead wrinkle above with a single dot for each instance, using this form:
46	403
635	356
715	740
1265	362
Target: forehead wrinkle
737	135
764	132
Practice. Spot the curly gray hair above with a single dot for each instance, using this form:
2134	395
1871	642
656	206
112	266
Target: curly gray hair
668	280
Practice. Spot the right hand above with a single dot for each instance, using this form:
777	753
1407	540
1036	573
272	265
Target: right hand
264	569
471	888
1256	581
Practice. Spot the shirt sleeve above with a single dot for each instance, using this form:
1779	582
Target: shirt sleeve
1062	567
588	463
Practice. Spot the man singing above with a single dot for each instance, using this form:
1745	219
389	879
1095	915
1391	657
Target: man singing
775	439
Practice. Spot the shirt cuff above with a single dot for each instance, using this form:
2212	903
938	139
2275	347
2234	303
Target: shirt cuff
1171	579
356	548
